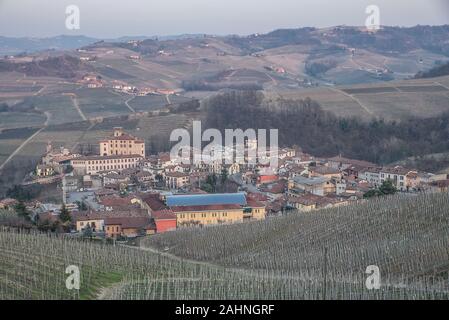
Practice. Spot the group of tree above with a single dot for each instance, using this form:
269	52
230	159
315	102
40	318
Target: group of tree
218	183
386	188
58	224
322	133
438	71
24	193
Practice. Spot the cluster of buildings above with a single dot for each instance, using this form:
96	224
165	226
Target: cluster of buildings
157	212
121	87
92	81
121	192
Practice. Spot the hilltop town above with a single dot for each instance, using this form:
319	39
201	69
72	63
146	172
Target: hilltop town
123	193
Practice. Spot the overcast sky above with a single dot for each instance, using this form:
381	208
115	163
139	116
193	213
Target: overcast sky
115	18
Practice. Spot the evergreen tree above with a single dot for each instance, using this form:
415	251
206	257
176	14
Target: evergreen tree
22	211
387	188
65	216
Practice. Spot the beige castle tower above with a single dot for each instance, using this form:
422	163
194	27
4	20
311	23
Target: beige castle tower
122	143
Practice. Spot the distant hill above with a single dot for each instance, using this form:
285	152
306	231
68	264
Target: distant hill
62	66
13	46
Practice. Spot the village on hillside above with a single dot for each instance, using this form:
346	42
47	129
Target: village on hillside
122	193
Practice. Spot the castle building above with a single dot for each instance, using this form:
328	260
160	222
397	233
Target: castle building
122	143
117	153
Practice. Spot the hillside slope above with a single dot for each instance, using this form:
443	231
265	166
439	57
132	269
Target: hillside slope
281	258
405	236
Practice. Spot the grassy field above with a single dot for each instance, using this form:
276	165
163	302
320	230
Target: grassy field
11	139
394	100
101	103
10	120
148	103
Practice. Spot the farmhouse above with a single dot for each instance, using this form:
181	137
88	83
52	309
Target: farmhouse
313	185
43	170
398	175
115	224
176	180
129	227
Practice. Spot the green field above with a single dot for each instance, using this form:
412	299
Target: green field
10	140
10	120
148	103
101	103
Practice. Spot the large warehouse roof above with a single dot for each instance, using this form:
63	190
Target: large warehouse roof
206	199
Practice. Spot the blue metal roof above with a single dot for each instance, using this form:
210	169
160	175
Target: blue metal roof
206	199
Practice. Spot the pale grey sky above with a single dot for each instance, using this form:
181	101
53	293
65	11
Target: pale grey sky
115	18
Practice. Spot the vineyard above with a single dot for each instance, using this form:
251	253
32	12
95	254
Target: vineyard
407	237
300	256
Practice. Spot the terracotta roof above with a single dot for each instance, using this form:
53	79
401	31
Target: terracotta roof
153	201
276	187
101	215
124	137
111	201
361	163
119	156
176	174
116	176
257	196
165	214
128	222
325	170
254	203
307	199
396	170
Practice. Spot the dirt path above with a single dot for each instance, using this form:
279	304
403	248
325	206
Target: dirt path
354	99
127	104
76	105
442	85
273	80
19	148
